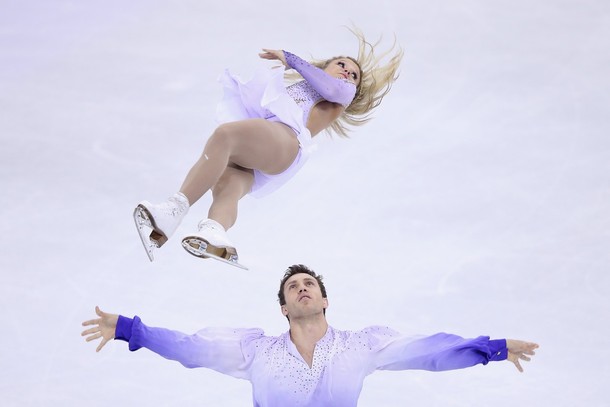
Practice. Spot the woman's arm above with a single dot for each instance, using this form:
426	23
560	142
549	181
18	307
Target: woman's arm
331	89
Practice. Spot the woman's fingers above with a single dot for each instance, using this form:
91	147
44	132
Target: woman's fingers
269	54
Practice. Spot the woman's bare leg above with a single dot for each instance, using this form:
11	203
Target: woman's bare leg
252	144
233	185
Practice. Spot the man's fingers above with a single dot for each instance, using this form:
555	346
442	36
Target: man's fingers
91	322
101	345
519	350
519	368
90	331
94	337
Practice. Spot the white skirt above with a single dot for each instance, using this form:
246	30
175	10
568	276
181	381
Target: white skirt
264	96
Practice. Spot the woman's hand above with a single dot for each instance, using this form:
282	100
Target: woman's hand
518	350
274	54
105	327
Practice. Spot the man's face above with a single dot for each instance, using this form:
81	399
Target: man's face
303	297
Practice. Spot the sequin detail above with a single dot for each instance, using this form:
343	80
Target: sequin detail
280	375
305	97
317	85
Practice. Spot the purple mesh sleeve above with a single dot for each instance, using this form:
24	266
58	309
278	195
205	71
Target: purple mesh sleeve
334	90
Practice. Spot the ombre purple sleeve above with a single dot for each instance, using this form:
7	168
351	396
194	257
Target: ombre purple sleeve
219	349
438	352
334	90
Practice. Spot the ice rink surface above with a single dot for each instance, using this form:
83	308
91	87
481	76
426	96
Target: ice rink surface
476	202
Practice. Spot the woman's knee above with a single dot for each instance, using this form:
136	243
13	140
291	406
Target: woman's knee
223	137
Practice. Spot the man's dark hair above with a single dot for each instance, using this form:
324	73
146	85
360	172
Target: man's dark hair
296	269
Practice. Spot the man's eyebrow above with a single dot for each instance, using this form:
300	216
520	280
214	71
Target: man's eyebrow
305	279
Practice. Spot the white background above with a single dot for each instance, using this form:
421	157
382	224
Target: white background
476	202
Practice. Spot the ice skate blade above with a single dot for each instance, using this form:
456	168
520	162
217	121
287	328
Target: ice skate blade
158	238
144	223
202	249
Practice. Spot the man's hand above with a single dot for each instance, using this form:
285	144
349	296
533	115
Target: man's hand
105	327
518	350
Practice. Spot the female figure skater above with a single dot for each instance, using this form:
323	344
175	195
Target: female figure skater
265	138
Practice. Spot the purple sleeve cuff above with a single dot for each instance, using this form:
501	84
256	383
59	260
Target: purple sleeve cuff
123	329
130	330
498	350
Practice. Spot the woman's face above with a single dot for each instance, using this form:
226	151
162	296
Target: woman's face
344	68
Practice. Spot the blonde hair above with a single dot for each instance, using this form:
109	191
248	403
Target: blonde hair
376	80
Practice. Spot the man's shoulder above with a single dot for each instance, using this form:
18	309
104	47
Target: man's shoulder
259	336
366	339
377	331
373	329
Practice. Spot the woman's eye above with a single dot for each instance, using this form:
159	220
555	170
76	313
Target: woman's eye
354	76
341	64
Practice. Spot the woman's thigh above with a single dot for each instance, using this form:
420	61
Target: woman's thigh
259	144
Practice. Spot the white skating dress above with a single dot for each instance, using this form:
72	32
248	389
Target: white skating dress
265	96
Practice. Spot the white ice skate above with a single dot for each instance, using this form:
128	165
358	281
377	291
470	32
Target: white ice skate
157	222
211	241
